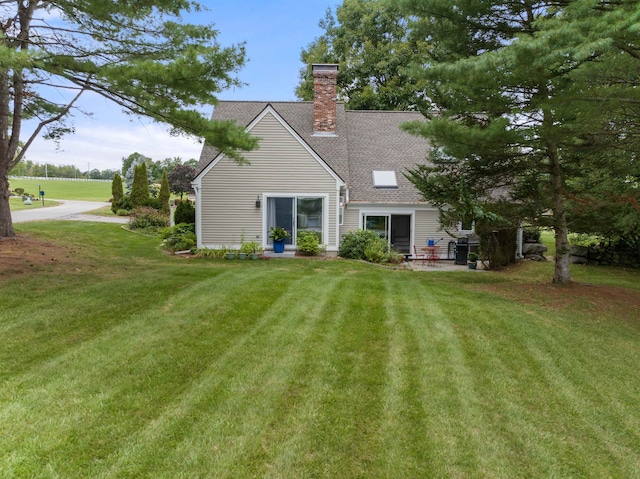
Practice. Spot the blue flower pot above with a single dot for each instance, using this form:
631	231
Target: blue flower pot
278	246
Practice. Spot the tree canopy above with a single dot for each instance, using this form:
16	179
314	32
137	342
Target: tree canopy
369	40
530	102
139	54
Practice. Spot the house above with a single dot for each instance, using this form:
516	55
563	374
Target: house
318	167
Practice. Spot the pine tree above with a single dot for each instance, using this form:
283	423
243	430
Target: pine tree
509	83
117	192
164	194
140	187
142	56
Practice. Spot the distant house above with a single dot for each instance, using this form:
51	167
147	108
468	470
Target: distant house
318	167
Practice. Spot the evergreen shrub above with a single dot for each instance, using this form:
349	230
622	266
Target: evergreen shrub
185	213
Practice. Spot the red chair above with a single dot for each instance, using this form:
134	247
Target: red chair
419	256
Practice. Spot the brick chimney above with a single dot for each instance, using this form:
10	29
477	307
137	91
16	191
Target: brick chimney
325	79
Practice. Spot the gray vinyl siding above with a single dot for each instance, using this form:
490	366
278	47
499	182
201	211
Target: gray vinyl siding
280	165
428	226
350	220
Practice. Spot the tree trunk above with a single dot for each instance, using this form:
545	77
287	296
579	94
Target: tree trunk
6	225
561	273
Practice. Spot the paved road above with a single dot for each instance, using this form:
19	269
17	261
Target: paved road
68	210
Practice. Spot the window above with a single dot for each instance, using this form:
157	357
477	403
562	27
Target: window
385	179
296	214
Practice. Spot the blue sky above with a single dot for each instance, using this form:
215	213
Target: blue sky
274	32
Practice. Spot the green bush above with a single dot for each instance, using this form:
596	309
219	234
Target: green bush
154	203
185	213
355	243
393	257
531	234
122	212
147	218
376	251
180	237
123	203
19	191
308	243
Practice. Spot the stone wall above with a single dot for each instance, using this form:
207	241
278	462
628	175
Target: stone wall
605	256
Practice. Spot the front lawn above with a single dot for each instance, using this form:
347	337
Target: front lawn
119	361
17	204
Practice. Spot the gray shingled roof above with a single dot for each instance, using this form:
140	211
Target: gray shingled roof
365	141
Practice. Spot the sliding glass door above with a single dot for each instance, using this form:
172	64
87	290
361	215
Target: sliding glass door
396	229
295	214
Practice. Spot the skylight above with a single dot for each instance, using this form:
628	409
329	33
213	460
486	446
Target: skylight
385	179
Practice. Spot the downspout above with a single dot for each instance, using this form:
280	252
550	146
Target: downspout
196	188
519	254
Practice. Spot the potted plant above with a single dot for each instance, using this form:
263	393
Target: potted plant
279	235
229	253
472	260
252	248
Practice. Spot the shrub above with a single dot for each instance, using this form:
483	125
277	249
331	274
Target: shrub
531	234
146	218
185	213
19	191
393	257
376	251
117	193
180	237
154	203
122	204
354	244
308	243
122	212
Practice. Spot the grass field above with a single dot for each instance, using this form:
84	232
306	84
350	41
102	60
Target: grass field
66	189
16	204
118	361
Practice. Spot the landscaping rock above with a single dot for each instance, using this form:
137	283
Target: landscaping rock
533	249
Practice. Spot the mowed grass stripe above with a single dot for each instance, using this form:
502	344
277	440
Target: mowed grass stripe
305	369
123	376
234	405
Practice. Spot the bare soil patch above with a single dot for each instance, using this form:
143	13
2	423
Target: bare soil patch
22	255
595	300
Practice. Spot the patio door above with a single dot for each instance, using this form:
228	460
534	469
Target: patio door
396	229
280	213
296	214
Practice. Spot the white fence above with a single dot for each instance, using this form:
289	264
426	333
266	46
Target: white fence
42	178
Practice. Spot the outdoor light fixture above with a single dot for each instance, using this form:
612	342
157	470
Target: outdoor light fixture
258	199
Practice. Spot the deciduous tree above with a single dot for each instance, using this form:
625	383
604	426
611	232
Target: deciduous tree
180	179
369	39
139	54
